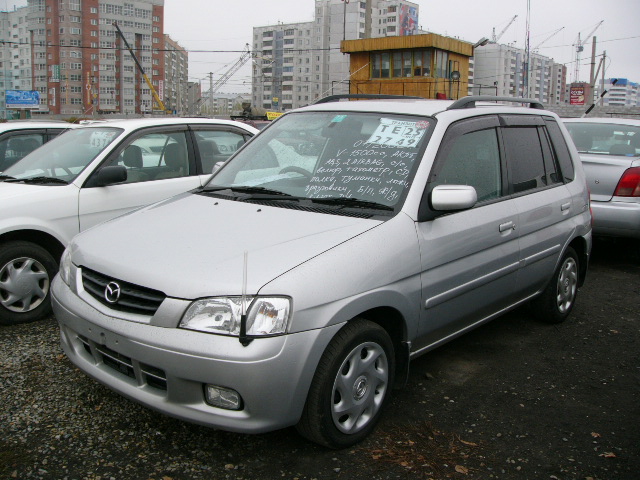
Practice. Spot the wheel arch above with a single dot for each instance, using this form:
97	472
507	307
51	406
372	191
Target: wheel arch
394	323
579	244
42	239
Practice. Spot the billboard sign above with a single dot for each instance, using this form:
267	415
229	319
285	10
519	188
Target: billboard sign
576	96
22	99
408	20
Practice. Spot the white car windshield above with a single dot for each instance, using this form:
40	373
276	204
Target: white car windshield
66	156
325	156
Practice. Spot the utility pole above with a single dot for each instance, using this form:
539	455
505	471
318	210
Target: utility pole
210	94
592	80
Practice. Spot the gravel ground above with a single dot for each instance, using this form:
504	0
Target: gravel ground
514	399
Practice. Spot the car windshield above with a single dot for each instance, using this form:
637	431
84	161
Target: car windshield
605	138
351	159
66	156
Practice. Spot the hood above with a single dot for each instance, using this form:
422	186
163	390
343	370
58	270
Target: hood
10	191
193	246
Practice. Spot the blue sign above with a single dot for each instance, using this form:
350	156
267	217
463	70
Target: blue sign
22	99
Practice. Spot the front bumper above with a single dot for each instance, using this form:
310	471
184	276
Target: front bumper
616	218
166	368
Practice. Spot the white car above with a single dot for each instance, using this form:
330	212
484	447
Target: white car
21	137
86	176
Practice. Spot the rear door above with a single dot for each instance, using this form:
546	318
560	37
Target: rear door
469	259
544	203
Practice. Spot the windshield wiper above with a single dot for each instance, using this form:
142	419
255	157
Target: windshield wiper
256	193
6	177
40	180
352	202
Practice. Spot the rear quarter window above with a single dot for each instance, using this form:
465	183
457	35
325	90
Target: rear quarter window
561	150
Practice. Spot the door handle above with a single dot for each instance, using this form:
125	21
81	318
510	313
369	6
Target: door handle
507	226
565	206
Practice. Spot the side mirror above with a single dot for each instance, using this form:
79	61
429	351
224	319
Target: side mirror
111	175
453	197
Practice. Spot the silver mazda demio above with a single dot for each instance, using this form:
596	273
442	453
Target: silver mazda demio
346	239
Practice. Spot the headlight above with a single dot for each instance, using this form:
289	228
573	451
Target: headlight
265	316
65	266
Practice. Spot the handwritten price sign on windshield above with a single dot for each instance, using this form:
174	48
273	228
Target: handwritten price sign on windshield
398	133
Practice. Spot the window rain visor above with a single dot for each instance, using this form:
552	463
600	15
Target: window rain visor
66	156
320	156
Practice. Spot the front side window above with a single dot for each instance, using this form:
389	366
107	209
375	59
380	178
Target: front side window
331	156
155	156
472	159
66	156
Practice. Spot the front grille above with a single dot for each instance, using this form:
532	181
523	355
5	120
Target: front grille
144	374
133	298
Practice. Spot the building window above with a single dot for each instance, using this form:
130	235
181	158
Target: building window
381	65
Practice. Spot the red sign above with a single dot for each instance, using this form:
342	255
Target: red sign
576	95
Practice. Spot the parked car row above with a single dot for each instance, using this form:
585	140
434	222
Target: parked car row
345	240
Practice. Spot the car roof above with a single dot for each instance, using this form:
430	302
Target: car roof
611	121
137	123
31	124
419	106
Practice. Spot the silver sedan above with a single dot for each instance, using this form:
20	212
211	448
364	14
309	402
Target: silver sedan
610	152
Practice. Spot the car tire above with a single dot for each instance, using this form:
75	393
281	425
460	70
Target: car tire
557	300
351	386
26	271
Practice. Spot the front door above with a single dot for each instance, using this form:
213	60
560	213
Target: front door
469	259
159	165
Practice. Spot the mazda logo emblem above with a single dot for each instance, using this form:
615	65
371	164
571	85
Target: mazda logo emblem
112	292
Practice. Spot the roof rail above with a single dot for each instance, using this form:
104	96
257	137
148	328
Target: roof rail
370	96
470	101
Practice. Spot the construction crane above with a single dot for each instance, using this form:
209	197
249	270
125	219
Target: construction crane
580	48
144	75
535	49
244	58
494	37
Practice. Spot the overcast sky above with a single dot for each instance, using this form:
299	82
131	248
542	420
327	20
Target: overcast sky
225	27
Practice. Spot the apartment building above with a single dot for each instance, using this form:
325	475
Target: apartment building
15	55
623	94
80	64
174	88
297	63
499	69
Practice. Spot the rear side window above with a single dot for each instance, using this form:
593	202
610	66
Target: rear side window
526	161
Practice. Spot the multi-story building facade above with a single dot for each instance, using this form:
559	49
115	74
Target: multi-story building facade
176	67
15	55
500	70
81	66
623	94
297	63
